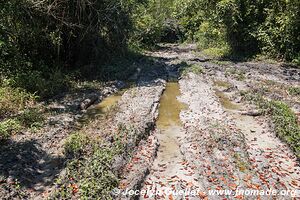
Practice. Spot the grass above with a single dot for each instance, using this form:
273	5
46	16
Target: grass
74	145
12	100
194	68
295	91
216	53
31	118
9	127
236	73
284	119
89	173
221	83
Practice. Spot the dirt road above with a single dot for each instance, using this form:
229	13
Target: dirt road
209	140
193	134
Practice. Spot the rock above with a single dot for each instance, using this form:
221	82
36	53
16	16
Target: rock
88	102
252	113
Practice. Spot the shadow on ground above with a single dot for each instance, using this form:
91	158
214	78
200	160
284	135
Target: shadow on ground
26	162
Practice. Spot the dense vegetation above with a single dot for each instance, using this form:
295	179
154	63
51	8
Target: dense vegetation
42	40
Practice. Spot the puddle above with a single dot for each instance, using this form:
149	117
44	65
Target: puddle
225	101
170	107
170	168
170	124
103	107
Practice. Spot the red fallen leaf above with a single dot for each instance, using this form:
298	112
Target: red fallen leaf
232	186
175	176
147	183
294	184
122	185
135	159
170	197
234	177
190	184
202	195
75	190
218	188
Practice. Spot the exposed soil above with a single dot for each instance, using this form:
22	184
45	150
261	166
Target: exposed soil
217	146
192	134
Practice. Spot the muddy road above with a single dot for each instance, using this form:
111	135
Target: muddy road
193	133
211	139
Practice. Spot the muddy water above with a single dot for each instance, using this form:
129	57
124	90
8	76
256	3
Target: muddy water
170	107
108	103
225	101
102	108
169	122
169	169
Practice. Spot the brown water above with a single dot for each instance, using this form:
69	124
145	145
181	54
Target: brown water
106	104
225	101
170	107
171	128
169	167
103	107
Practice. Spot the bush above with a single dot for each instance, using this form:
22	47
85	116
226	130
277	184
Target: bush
196	69
31	118
12	100
209	36
284	119
75	144
42	83
286	125
294	91
9	127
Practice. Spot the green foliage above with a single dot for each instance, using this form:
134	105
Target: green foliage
39	45
12	100
284	119
75	144
196	69
152	20
209	36
45	84
89	173
235	73
31	118
9	127
294	91
286	125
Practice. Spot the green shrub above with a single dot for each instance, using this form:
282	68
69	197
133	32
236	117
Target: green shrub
209	36
9	127
217	53
12	100
31	118
196	69
75	144
44	84
294	91
284	119
286	124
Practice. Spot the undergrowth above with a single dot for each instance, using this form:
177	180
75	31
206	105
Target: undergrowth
9	127
194	68
294	91
89	173
12	100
